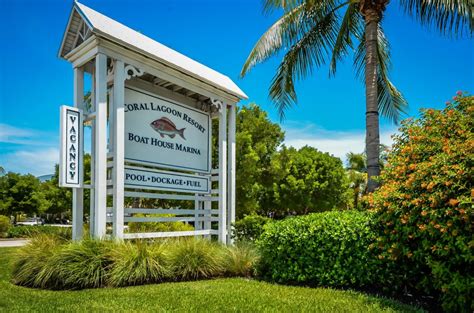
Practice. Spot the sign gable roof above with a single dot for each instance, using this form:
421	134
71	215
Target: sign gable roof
104	26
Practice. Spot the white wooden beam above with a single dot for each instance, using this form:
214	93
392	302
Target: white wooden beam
164	72
118	151
223	173
100	184
92	190
231	173
78	193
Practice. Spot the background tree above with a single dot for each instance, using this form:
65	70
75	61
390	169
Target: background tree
257	142
307	180
59	199
313	33
357	174
21	194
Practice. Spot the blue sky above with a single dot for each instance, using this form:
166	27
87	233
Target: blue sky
34	82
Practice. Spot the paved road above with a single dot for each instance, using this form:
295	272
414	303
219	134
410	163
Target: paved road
13	243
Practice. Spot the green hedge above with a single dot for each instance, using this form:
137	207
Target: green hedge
324	249
25	231
51	262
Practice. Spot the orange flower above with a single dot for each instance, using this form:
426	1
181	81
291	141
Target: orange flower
453	202
430	186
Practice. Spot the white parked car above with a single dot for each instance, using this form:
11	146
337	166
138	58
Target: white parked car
31	222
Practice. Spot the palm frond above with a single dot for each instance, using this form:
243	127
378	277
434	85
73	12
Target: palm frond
391	102
351	24
309	51
270	6
280	34
450	17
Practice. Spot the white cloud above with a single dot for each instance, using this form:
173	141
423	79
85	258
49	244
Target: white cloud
25	136
37	162
28	150
337	143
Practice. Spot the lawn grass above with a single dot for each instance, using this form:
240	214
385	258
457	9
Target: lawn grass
219	295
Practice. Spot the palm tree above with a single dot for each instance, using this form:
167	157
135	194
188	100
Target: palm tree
313	32
357	173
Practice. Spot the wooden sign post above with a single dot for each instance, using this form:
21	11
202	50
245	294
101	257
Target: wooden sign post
151	118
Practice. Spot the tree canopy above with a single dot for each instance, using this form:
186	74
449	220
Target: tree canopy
21	194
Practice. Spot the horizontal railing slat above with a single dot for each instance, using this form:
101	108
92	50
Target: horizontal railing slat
170	234
169	219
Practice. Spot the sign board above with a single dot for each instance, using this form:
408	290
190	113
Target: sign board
70	159
165	133
163	180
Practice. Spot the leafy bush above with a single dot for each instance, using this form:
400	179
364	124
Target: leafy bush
138	263
249	228
137	227
5	225
48	262
325	249
193	259
425	206
25	231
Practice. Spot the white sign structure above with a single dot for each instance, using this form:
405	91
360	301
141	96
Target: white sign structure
150	110
70	161
165	133
163	180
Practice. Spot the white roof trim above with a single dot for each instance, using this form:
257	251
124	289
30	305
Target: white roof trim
104	26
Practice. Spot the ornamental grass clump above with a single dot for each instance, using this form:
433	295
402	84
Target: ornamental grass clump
31	259
193	259
79	265
52	263
138	263
240	260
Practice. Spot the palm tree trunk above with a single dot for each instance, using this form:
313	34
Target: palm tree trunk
372	138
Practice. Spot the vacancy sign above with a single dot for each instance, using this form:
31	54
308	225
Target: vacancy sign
70	159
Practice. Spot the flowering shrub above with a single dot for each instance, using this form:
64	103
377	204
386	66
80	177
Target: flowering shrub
424	208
